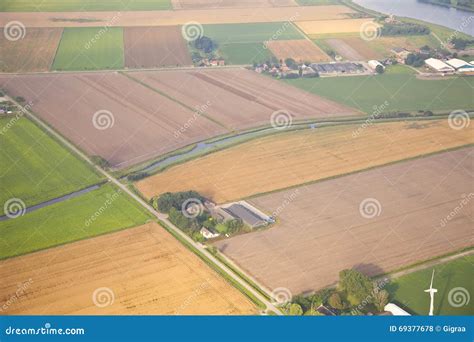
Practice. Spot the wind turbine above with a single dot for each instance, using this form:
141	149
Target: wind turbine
431	291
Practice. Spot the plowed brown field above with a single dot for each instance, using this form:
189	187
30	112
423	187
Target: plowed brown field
294	158
34	52
166	18
213	4
239	98
145	270
151	47
133	123
300	50
321	230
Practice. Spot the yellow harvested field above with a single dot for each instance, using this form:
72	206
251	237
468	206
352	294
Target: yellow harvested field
212	4
289	159
181	17
137	271
333	26
300	50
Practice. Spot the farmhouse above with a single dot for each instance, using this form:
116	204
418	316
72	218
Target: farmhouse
373	64
460	65
438	65
209	233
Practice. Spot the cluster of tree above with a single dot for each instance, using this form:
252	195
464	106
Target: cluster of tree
190	225
416	59
169	200
355	294
228	227
403	29
205	44
136	176
460	43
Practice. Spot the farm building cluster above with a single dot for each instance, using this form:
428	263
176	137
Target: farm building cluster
450	66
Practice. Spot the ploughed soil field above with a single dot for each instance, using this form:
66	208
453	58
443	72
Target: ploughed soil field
239	98
375	221
353	48
332	26
208	4
150	47
289	159
35	52
166	17
138	271
300	50
109	115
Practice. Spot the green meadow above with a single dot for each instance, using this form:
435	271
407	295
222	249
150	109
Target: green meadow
35	167
90	48
452	280
98	212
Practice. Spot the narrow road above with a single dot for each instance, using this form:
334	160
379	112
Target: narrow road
149	208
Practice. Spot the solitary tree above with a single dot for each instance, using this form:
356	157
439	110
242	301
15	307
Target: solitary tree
355	284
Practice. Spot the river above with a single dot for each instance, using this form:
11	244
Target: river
456	19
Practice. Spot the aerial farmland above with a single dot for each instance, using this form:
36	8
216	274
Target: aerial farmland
232	157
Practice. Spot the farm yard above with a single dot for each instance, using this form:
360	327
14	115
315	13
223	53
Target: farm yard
36	168
81	5
321	27
151	47
214	4
448	276
222	91
46	228
365	92
321	229
35	52
79	49
181	17
148	271
300	50
290	159
132	122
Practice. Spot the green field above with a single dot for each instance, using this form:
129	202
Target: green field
244	43
408	290
403	92
66	222
35	167
82	5
91	48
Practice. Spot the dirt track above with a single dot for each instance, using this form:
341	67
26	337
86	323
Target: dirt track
166	18
35	52
147	270
321	230
300	50
145	123
152	47
239	98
